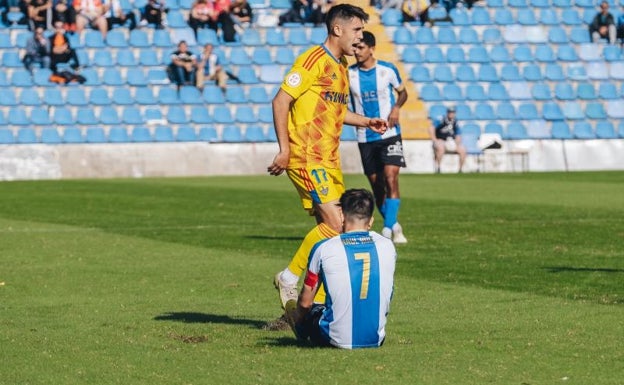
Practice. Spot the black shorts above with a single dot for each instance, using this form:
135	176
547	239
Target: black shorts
375	155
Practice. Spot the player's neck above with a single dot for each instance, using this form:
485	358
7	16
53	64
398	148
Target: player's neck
368	63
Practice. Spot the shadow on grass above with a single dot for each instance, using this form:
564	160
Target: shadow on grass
566	269
192	317
281	341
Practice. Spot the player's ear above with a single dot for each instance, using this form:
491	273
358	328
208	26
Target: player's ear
336	30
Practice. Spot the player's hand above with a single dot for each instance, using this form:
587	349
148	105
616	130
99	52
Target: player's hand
393	118
280	162
378	125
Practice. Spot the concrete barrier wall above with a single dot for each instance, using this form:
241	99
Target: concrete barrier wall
135	160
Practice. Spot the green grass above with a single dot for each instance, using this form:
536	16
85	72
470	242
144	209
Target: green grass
507	279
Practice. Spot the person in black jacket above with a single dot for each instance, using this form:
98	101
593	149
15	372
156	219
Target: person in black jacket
603	25
60	49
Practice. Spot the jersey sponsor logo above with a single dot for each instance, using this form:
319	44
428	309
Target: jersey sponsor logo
324	190
293	79
336	97
395	149
369	96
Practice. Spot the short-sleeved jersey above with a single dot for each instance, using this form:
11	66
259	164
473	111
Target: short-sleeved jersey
447	128
357	271
320	86
372	95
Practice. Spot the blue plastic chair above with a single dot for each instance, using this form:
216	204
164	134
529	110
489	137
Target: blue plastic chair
605	130
258	94
117	135
95	135
430	93
11	59
86	116
596	111
503	16
612	53
570	17
532	73
51	96
200	115
557	35
99	97
168	96
552	111
116	39
27	135
122	96
139	39
577	72
554	72
275	37
149	58
190	95
318	35
465	73
597	70
271	74
392	17
71	135
493	128
522	53
41	77
131	115
561	130
403	36
538	129
586	91
245	114
141	134
213	95
484	111
247	75
255	133
424	36
63	116
21	78
93	39
112	77
516	131
235	95
222	114
475	92
442	73
497	92
284	55
526	16
541	91
208	134
545	54
109	115
265	114
29	97
455	55
420	74
480	16
549	17
434	54
478	54
186	133
607	91
38	116
505	111
510	72
209	36
616	70
177	115
615	109
487	73
445	36
468	35
411	55
144	96
492	36
452	92
527	111
50	135
499	54
232	134
564	91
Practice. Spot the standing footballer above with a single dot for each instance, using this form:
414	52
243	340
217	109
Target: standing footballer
372	84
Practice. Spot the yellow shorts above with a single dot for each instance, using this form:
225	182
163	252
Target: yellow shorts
317	185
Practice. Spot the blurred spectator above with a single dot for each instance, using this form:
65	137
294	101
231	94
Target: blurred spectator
61	51
415	11
620	26
38	14
446	136
222	17
200	15
306	11
90	13
603	25
241	12
209	68
37	51
4	10
64	13
183	66
153	13
116	15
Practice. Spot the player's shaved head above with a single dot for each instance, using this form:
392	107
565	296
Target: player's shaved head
344	12
357	204
368	38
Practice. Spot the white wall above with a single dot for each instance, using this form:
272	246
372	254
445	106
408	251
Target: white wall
39	161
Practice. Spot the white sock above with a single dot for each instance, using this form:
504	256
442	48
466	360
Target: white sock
289	278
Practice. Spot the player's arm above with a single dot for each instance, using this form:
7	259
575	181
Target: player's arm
393	117
376	124
281	106
306	297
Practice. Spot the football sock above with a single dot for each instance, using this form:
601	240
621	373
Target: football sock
382	209
392	211
300	261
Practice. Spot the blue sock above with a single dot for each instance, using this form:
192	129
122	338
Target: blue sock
382	209
392	211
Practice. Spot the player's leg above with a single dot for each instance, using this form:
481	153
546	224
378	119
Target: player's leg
392	159
438	151
461	151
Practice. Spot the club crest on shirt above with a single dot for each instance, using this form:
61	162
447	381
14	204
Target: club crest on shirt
293	79
324	190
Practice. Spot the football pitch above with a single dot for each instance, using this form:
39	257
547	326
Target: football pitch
506	279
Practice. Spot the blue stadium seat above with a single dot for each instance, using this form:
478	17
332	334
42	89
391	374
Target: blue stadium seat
136	77
487	73
11	59
438	110
499	54
430	93
162	39
411	55
615	109
462	112
589	51
541	91
505	111
514	34
93	39
21	78
41	77
153	116
122	96
99	97
460	16
26	135
72	134
5	39
549	17
570	17
446	36
443	73
235	95
516	131
612	53
245	114
186	133
526	16
140	134
492	36
576	72
562	3
586	91
50	135
255	133
247	75
213	95
465	73
232	134
538	129
468	35
274	37
420	74
552	111
503	16
522	53
424	36
271	73
434	54
190	95
545	54
554	72
63	116
561	130
29	97
480	16
564	91
517	3
392	17
510	72
95	135
208	134
139	39
478	54
475	92
532	73
298	36
8	97
176	19
209	36
452	92
149	57
222	114
117	134
318	35
51	97
200	115
497	92
607	91
125	58
265	114
261	56
557	35
403	36
484	111
109	115
284	55
131	115
92	76
605	130
112	77
164	134
616	70
144	96
595	110
455	55
39	116
527	111
177	115
493	128
116	39
86	116
597	70
168	96
258	94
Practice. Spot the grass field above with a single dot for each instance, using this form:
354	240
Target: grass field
507	279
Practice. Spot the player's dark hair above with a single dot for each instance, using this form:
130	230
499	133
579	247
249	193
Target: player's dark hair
368	38
357	203
344	12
